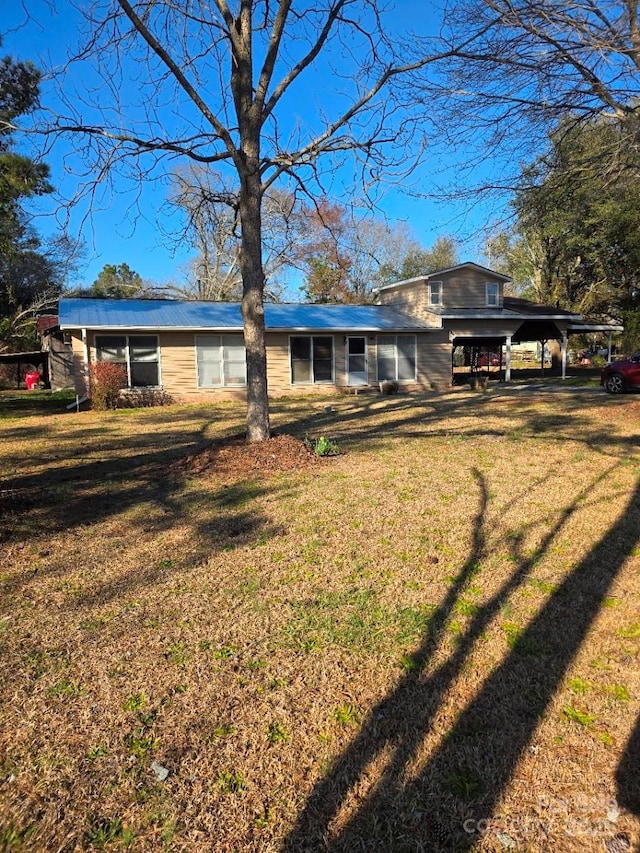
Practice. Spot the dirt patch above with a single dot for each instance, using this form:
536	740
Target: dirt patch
235	458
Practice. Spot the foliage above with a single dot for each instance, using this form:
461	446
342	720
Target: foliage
211	227
345	257
144	398
116	281
106	380
575	243
27	269
418	261
526	66
322	446
630	338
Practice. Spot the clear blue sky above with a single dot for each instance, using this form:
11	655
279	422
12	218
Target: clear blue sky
115	233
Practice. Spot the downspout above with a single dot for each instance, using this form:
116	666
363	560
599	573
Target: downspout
563	354
507	365
85	365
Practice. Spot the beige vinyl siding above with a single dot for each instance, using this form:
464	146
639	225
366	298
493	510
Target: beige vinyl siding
412	299
80	375
434	360
278	370
178	369
466	288
178	362
482	328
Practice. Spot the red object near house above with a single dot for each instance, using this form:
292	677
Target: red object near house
32	379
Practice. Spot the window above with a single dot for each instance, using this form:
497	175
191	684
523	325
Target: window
311	359
435	293
138	353
221	360
396	358
492	294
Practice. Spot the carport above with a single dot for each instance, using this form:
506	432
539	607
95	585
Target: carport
24	360
539	330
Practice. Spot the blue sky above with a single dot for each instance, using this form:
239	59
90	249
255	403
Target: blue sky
116	233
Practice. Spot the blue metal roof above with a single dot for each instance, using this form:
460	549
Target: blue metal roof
164	314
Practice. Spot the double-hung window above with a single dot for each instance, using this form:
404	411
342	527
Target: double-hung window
435	293
138	353
221	360
492	294
396	358
311	359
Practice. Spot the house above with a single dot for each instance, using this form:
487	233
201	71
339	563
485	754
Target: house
195	350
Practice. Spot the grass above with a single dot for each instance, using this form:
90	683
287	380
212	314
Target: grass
430	641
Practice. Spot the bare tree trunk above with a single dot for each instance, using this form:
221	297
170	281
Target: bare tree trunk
253	308
247	159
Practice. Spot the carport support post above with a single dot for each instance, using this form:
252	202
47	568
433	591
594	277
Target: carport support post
563	355
507	363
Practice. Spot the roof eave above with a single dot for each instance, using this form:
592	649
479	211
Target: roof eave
269	329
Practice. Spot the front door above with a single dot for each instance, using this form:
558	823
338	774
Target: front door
357	371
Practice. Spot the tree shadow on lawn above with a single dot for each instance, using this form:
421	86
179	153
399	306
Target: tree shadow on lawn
373	421
628	773
25	404
149	492
459	787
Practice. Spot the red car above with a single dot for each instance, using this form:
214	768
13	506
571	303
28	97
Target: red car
621	376
488	360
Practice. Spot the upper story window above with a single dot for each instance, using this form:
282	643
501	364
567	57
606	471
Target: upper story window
435	293
138	353
493	294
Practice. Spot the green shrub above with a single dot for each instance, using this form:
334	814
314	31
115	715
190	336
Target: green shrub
322	446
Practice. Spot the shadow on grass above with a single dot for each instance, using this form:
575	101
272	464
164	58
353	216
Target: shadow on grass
141	484
358	422
458	787
628	773
24	404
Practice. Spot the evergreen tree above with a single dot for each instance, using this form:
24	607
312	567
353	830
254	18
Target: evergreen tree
26	270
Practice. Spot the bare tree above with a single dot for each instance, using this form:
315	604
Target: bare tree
211	82
212	228
18	330
531	65
346	255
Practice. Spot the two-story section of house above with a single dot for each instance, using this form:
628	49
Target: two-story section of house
469	304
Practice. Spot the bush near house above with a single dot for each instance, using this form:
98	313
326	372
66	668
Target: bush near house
106	382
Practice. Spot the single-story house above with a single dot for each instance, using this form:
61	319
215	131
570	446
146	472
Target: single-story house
195	349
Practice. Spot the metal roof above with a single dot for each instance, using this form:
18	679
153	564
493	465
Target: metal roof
161	314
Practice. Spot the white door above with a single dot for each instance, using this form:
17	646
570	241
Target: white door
357	371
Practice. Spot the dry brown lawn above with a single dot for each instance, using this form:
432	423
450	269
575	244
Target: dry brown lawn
430	642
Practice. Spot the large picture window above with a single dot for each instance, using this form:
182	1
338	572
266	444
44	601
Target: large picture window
396	358
138	353
311	359
222	361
